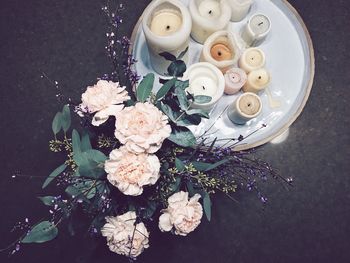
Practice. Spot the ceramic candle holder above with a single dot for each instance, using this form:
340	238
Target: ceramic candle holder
252	59
246	107
256	30
235	78
167	26
240	9
221	50
257	81
205	79
208	16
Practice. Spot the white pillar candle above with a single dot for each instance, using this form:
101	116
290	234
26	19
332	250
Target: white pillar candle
221	50
246	107
167	26
240	9
252	59
205	80
257	81
256	30
208	16
235	78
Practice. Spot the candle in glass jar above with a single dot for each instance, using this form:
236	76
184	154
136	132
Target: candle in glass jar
221	50
252	59
208	16
240	9
257	81
256	30
246	107
205	80
167	26
235	78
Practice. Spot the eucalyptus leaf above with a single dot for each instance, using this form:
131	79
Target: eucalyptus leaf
96	155
182	54
174	187
182	84
92	169
206	205
165	88
47	200
66	118
200	99
54	174
167	56
205	167
76	143
177	68
42	232
182	98
182	136
57	123
187	120
82	190
199	112
180	166
190	188
168	111
85	142
145	87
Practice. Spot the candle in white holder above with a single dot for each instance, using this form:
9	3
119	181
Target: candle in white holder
235	78
205	80
256	30
221	50
167	26
257	81
252	59
208	16
246	107
240	9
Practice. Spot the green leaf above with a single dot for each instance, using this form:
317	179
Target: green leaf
66	118
187	120
182	137
47	200
205	167
144	89
206	205
85	142
200	99
180	166
168	111
217	164
174	187
96	155
42	232
167	56
190	188
177	68
199	112
182	98
90	168
182	54
182	84
57	123
150	209
76	142
55	173
165	88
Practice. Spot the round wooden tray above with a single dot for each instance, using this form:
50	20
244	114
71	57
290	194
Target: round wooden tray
290	60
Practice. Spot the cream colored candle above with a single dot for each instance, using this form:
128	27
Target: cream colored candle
221	50
240	9
256	30
208	16
252	59
246	107
235	78
205	80
167	26
257	81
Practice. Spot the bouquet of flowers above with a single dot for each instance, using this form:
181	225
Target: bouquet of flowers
134	161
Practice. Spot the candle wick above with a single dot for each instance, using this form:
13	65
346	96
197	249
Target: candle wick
260	23
210	12
167	27
203	87
249	104
219	53
259	77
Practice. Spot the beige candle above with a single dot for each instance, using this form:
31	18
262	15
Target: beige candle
166	22
252	59
246	107
257	81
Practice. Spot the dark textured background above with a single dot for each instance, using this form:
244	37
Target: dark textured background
66	39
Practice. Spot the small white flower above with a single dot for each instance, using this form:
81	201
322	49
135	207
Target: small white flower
123	237
104	99
129	172
182	214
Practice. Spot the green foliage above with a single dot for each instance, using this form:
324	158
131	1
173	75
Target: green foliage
205	167
180	166
177	68
57	123
206	204
201	99
62	120
182	136
47	200
168	56
165	88
145	87
85	142
42	232
82	190
54	174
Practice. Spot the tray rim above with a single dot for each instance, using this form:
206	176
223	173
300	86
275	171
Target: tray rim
294	117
